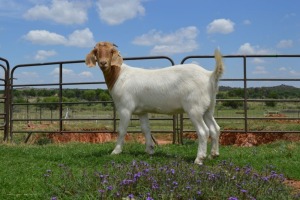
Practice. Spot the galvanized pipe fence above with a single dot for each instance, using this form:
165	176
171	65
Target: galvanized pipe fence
9	117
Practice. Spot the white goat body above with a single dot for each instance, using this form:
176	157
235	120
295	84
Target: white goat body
177	89
169	90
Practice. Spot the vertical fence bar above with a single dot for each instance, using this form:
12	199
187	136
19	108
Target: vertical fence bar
245	95
60	98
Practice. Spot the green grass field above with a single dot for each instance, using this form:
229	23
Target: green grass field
67	171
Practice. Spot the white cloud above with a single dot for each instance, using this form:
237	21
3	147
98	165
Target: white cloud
258	60
115	12
43	55
79	38
65	71
60	11
29	75
181	41
223	26
45	37
285	44
260	70
247	48
86	74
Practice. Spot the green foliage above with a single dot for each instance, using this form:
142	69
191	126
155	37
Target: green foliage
232	104
281	91
80	94
52	102
20	99
89	95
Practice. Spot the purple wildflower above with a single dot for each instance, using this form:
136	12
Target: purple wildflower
149	197
233	198
265	178
126	182
101	191
173	171
54	198
155	185
109	188
244	191
137	175
130	196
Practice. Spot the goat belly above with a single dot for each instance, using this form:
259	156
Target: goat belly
161	108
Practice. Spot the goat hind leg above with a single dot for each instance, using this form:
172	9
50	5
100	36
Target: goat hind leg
146	130
202	132
214	132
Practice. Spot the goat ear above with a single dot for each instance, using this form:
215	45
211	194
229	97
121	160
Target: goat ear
117	59
90	59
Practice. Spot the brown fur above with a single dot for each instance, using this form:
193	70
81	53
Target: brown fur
109	60
111	76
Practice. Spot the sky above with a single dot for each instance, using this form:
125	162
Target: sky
39	31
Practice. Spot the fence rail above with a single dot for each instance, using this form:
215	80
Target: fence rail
178	124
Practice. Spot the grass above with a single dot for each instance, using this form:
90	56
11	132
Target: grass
77	171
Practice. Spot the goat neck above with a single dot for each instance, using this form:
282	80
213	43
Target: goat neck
111	74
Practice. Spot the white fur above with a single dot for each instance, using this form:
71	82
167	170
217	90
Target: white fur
182	88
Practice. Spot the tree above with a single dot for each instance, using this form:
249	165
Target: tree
232	104
89	95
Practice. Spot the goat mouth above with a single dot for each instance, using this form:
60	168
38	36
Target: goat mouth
103	67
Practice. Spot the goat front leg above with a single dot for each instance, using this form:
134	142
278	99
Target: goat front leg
123	125
146	130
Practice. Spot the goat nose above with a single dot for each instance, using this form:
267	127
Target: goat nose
102	63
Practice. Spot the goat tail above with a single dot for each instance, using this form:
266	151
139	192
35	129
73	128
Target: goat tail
219	70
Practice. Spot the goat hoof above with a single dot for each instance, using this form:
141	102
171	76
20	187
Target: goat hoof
116	151
150	150
214	155
198	161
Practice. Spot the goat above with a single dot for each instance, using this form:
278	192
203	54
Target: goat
172	90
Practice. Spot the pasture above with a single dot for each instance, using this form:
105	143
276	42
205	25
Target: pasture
45	170
88	171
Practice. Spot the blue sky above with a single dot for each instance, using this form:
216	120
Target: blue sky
33	31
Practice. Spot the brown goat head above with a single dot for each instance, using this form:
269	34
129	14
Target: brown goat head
106	54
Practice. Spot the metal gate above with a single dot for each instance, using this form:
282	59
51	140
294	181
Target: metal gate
5	98
179	122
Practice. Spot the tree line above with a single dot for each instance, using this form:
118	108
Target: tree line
45	95
48	96
275	92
